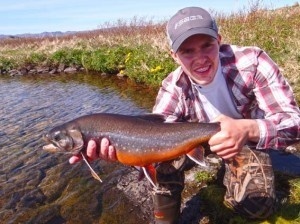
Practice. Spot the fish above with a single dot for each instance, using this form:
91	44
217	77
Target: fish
139	140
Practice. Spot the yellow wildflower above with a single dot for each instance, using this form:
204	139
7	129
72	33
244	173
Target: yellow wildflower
157	69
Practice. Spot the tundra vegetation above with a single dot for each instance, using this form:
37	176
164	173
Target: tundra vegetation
138	49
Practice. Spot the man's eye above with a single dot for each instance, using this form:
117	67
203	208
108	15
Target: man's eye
208	45
187	52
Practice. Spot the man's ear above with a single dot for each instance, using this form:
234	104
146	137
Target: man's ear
219	39
174	56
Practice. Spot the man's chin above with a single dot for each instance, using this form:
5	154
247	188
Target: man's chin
202	82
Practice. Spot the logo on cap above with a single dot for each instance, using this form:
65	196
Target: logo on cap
187	19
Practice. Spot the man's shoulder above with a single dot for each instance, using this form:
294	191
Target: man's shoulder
227	50
176	76
176	81
239	56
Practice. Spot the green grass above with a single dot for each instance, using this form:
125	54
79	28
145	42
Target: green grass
288	188
139	48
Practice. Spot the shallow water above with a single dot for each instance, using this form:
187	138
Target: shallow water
40	187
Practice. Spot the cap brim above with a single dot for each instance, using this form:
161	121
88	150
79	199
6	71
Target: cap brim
207	31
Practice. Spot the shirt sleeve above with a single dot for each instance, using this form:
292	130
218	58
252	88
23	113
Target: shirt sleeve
167	101
280	126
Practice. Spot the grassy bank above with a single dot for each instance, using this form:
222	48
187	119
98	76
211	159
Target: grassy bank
139	48
214	211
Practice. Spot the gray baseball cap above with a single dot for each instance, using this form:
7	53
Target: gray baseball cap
190	21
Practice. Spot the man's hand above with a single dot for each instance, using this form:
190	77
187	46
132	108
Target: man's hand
233	136
106	152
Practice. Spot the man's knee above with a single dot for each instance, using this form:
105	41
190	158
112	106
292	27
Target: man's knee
249	179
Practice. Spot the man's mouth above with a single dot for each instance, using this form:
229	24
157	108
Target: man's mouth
202	69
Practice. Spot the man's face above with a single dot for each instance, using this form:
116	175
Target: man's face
199	58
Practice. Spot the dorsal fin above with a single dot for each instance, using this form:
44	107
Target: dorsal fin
152	117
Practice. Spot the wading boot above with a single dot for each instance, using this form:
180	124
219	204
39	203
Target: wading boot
166	208
167	193
249	179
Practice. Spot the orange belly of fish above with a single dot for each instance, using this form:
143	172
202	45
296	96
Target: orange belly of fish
144	159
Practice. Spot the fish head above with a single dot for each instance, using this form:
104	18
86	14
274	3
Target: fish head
64	139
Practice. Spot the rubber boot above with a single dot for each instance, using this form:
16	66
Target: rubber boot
167	193
166	208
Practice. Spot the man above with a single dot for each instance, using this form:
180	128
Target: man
243	89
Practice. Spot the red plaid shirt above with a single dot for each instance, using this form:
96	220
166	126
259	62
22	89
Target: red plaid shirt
258	90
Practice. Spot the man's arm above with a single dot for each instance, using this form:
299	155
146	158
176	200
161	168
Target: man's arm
280	125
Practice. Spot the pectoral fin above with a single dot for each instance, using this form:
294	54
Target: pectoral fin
94	174
197	155
141	172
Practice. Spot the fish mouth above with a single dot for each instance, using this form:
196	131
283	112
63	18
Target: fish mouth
54	147
51	148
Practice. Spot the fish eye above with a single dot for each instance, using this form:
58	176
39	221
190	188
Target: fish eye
61	139
57	136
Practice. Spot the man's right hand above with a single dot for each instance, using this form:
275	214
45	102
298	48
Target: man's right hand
106	152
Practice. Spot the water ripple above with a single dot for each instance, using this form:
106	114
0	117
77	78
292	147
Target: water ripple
29	107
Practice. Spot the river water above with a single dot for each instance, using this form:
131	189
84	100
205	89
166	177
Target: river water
38	187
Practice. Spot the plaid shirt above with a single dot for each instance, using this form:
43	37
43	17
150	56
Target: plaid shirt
258	90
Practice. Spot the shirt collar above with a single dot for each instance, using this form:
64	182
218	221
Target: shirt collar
218	74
